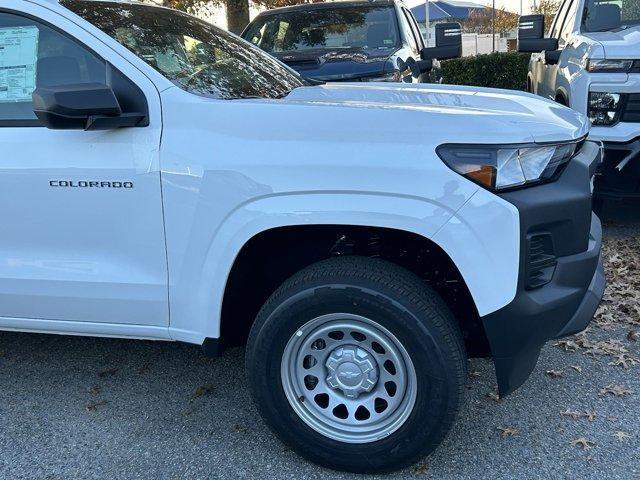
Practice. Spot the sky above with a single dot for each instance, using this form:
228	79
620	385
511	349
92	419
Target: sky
511	5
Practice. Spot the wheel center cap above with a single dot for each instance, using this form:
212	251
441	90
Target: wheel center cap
349	374
352	370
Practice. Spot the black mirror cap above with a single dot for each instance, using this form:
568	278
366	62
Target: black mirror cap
448	34
531	27
537	45
531	35
70	107
448	43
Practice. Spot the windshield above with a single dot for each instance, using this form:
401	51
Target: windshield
193	54
366	27
609	15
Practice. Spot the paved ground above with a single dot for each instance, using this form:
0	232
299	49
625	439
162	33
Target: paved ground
98	408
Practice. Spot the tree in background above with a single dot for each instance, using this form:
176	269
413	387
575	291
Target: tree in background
630	11
480	21
548	8
237	10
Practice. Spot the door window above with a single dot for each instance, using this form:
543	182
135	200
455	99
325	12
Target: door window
32	55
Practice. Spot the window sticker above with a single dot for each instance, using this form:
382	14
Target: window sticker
18	59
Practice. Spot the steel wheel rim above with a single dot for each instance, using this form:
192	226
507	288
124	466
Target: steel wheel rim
348	378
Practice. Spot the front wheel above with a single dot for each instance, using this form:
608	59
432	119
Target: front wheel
357	365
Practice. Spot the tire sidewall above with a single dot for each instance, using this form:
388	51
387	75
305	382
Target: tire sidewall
436	388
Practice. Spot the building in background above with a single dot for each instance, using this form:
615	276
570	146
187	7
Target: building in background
446	11
477	24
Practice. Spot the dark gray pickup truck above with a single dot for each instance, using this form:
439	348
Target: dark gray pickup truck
353	41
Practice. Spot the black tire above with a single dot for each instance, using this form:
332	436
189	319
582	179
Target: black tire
598	207
403	304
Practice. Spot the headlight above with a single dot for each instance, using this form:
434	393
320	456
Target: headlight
509	166
604	108
609	66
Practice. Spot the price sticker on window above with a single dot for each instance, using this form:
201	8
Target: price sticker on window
18	60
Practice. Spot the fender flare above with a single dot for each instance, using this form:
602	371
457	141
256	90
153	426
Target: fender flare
197	304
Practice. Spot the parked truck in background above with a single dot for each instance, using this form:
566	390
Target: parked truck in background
590	61
354	41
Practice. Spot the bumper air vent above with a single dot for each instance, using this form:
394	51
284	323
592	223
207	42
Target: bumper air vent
541	260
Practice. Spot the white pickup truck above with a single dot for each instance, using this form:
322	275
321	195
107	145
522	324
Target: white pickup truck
163	179
590	61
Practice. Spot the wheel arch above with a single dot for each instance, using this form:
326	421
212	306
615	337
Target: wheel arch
198	285
562	97
271	256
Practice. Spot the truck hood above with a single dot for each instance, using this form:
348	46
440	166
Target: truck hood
623	44
457	113
336	64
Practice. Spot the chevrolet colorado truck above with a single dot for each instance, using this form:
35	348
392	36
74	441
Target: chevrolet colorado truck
163	179
590	61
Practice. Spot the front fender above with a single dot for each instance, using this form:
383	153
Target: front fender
197	289
485	256
483	240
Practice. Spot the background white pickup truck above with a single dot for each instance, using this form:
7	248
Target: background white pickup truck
164	179
590	61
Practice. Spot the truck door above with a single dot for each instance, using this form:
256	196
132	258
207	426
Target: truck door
546	75
81	238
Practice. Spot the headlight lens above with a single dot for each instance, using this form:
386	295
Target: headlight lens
604	108
507	167
609	66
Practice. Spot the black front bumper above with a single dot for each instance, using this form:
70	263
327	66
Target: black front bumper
619	176
561	277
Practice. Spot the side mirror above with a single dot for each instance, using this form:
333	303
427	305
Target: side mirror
448	43
552	57
90	106
531	35
417	67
